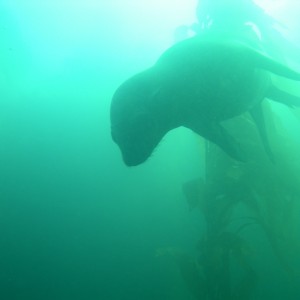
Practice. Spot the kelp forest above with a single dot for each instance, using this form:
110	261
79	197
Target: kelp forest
246	206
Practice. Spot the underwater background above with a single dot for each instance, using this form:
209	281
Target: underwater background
75	223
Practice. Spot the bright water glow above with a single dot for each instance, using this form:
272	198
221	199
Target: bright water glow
272	6
55	29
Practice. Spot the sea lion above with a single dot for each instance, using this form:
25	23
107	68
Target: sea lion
197	83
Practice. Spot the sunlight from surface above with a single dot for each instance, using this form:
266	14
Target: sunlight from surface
55	29
272	6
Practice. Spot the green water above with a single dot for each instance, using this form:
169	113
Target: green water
75	223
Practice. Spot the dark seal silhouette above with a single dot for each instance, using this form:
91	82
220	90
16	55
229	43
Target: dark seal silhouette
197	83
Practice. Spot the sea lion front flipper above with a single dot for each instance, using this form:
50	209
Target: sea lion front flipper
258	118
217	134
283	97
267	63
